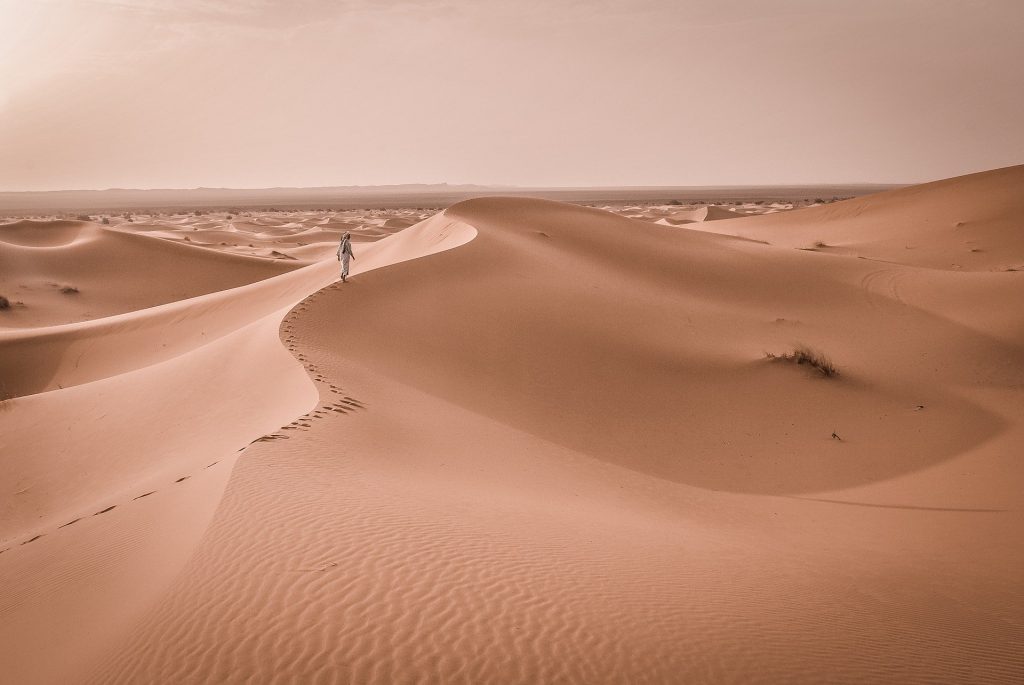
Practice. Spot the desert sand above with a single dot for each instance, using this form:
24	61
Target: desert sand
528	442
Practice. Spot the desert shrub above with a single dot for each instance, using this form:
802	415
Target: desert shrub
805	355
819	243
68	289
106	221
84	217
674	202
4	303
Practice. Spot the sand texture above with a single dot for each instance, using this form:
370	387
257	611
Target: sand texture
528	442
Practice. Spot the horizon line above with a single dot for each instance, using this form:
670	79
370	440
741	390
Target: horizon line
471	185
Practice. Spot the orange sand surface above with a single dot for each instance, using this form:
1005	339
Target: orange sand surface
528	442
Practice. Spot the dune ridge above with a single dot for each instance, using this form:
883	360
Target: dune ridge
970	223
111	272
159	404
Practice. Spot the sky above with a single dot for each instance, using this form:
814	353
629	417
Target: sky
266	93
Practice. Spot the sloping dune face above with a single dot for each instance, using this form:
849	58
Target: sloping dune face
60	272
117	436
558	453
971	223
29	233
592	331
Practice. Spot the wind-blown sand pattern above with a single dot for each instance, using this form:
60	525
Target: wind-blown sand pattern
527	442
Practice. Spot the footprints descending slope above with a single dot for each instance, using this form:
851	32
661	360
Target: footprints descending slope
104	510
343	405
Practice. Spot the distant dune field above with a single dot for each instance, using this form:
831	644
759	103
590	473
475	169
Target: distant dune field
528	442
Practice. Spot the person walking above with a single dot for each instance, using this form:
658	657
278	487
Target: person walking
344	254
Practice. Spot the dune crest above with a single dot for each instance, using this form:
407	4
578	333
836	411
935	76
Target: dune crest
969	223
32	233
159	404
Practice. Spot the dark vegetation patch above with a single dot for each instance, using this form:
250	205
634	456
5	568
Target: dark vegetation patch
805	355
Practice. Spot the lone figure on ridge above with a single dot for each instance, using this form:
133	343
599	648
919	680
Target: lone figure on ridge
344	254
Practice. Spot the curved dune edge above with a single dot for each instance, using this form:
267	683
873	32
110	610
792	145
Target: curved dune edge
29	233
426	523
40	360
965	224
105	272
151	438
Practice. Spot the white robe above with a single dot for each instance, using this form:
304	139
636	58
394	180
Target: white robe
344	254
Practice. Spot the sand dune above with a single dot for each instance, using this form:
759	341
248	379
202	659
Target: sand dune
972	223
706	213
110	272
533	442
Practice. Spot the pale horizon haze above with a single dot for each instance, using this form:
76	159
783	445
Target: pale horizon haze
257	93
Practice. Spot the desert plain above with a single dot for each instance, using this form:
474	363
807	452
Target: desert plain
528	442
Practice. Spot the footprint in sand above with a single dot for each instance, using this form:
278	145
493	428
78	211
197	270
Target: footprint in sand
104	511
145	494
182	478
65	525
32	539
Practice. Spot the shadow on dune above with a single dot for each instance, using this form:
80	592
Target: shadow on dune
633	343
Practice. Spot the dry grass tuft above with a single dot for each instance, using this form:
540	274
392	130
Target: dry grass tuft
805	355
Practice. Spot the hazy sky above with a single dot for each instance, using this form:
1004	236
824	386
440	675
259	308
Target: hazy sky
256	93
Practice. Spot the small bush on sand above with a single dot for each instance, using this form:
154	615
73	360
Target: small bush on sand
805	355
4	303
819	243
68	289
